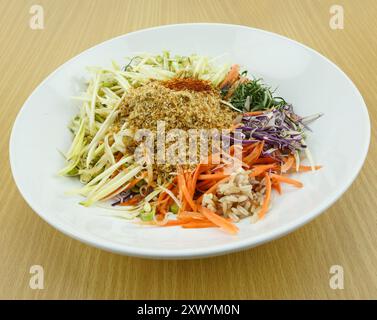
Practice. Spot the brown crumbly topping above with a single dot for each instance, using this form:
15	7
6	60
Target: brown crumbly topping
188	84
183	109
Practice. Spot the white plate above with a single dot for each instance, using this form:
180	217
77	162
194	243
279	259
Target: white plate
305	78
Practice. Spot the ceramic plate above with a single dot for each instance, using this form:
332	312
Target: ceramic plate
312	83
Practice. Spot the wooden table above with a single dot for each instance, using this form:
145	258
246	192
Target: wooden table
296	266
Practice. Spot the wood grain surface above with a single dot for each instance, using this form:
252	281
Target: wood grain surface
296	266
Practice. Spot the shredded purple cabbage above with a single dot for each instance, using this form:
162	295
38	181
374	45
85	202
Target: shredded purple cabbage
280	129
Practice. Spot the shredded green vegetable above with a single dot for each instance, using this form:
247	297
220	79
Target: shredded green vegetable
97	154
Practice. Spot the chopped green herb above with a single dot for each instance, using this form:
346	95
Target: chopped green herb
147	216
174	208
253	95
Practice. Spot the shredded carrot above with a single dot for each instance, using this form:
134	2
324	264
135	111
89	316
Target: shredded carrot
277	186
132	201
231	77
178	222
308	168
118	156
185	193
164	196
253	113
199	224
114	174
218	220
189	186
164	199
219	168
216	176
267	197
205	185
128	186
213	188
259	169
195	177
287	180
288	164
248	148
265	160
191	214
231	149
183	205
135	181
255	154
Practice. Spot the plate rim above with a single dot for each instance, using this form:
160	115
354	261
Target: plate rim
197	252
